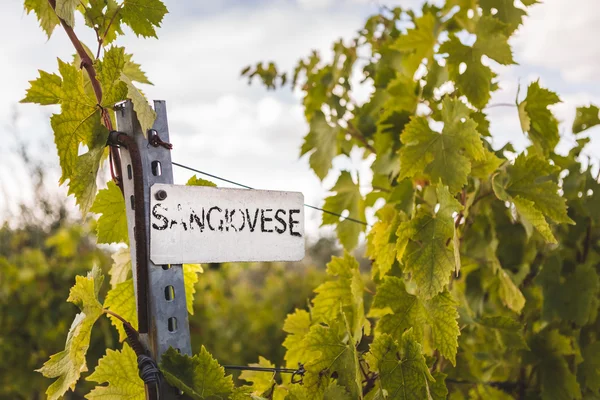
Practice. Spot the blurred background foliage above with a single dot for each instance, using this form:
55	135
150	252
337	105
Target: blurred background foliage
239	308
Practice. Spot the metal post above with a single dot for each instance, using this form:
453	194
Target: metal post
168	324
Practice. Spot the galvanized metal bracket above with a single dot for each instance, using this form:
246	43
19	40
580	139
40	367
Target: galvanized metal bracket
168	316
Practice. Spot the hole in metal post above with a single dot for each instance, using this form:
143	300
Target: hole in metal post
172	324
156	168
132	199
169	293
129	172
166	266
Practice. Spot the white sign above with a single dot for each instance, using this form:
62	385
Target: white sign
200	224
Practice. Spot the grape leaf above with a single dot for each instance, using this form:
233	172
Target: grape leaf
105	16
403	373
589	370
65	9
261	381
508	332
484	392
537	120
557	380
585	118
134	71
190	277
195	181
121	267
346	293
145	114
528	185
112	224
506	11
330	350
446	156
110	70
419	41
381	241
347	198
45	90
399	311
425	245
199	376
121	301
322	141
120	370
45	14
297	326
332	392
492	40
68	364
475	82
143	16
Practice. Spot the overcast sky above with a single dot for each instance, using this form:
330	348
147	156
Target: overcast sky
220	124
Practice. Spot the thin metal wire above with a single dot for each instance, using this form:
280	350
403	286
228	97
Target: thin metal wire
248	187
261	369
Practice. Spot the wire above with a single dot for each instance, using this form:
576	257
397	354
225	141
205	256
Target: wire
251	188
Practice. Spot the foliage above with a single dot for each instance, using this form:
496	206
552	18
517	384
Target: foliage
485	261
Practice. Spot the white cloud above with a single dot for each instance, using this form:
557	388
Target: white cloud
562	35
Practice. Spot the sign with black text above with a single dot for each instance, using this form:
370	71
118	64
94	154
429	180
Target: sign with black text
201	224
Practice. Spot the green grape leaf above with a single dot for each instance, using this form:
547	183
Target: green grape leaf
44	13
486	392
332	392
403	372
506	11
509	293
68	364
119	271
83	182
557	380
589	370
347	198
537	120
570	296
528	185
134	71
507	331
200	376
145	114
446	156
330	350
65	9
425	245
381	241
45	90
120	370
110	70
261	381
105	16
484	168
195	181
121	301
345	293
323	142
399	311
492	40
112	224
585	118
190	278
475	82
296	325
143	16
419	41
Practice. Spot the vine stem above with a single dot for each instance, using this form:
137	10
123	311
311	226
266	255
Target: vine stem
86	61
355	133
117	316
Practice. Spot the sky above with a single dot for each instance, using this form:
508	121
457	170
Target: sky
220	124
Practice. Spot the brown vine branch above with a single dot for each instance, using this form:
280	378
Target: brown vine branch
117	316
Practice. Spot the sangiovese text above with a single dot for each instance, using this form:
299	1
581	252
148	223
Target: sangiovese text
215	218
